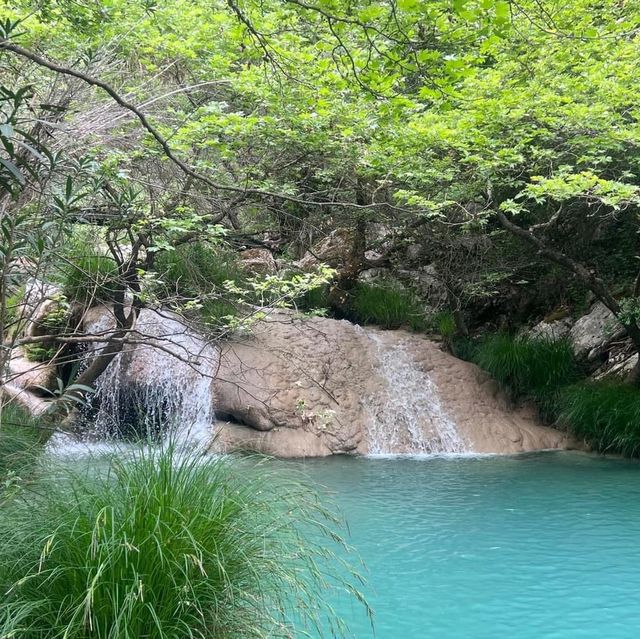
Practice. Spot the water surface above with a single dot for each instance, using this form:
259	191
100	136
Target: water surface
528	547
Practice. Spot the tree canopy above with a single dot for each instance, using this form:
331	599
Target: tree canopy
493	134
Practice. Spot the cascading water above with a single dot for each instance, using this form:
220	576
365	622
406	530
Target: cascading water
160	383
409	417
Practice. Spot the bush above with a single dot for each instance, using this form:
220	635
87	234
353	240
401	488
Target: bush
165	546
605	414
385	306
528	367
198	271
316	299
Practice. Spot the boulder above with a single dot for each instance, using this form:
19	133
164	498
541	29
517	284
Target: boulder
258	260
332	250
40	299
36	377
592	333
552	330
318	386
164	374
620	366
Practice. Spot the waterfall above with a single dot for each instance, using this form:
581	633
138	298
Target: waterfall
160	383
409	417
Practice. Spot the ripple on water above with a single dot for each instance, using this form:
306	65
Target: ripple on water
533	546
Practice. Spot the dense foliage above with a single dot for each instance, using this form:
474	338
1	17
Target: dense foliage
494	137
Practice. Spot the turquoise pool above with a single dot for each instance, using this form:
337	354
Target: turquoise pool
528	547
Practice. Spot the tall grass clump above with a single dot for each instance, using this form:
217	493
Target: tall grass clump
528	367
20	444
385	305
193	269
163	546
91	278
606	414
199	271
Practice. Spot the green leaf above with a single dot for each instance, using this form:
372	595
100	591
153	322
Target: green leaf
13	169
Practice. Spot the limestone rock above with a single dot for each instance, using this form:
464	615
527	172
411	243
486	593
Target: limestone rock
554	330
39	300
292	374
309	387
36	377
592	333
619	365
163	374
258	260
332	250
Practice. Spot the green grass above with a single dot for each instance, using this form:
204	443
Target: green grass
20	444
605	414
90	278
528	367
199	271
386	306
166	547
316	299
195	269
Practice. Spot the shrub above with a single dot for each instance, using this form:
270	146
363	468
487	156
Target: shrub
605	414
198	272
165	546
385	306
528	367
215	313
464	348
316	299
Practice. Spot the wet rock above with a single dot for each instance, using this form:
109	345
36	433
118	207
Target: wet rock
317	386
163	375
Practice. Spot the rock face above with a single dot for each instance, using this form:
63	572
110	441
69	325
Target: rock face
258	260
593	332
319	386
558	329
313	387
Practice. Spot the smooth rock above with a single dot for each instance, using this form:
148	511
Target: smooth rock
313	386
32	376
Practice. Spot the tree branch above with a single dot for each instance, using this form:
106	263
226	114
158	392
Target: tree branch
183	166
